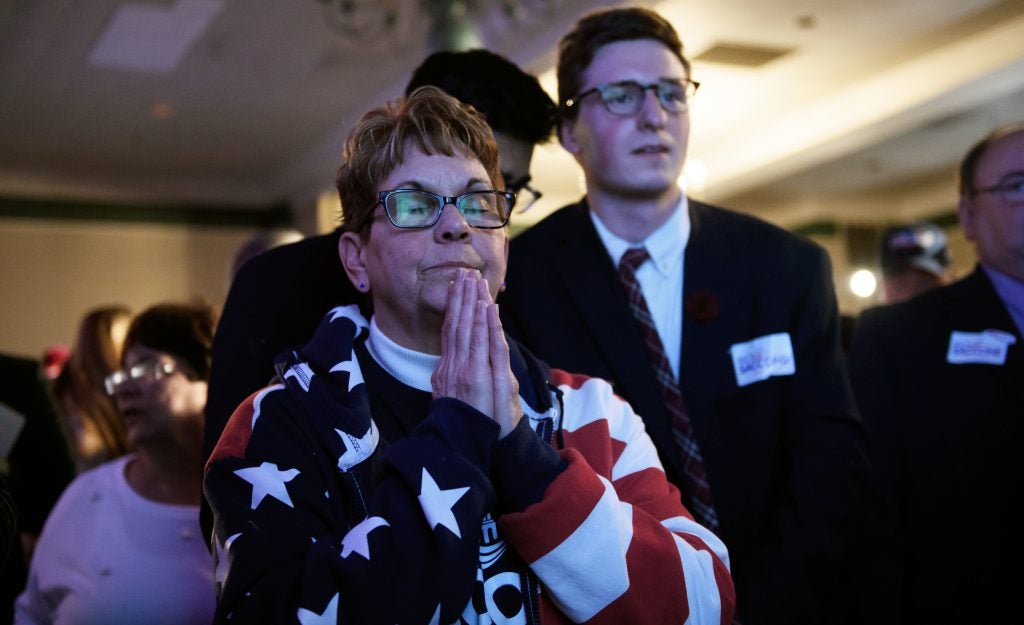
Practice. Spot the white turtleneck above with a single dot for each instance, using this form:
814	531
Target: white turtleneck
408	366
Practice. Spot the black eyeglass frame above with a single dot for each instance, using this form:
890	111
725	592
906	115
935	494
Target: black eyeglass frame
520	185
445	200
690	88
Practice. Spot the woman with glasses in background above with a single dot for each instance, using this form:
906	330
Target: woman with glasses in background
123	543
419	467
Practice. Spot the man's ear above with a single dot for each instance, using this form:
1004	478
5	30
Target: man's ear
350	251
965	212
567	136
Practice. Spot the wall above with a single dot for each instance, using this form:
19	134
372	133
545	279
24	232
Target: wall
52	272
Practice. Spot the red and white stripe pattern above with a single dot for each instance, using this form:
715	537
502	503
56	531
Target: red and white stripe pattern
615	510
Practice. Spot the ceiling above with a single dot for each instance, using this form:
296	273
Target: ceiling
862	116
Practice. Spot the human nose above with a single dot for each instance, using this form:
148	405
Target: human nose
451	225
652	113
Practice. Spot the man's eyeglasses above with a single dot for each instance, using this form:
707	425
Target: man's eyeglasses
147	371
1011	191
412	208
626	98
526	196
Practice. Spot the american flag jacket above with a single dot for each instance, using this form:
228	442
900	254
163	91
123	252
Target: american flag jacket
317	519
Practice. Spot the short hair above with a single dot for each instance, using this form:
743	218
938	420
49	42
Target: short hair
184	331
430	119
969	164
262	242
577	49
512	101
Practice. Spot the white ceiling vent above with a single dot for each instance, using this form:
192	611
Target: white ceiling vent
741	55
152	39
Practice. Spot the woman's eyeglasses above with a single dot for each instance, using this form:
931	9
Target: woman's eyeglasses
412	208
147	371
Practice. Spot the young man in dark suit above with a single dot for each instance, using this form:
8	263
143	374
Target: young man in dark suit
940	383
277	298
744	370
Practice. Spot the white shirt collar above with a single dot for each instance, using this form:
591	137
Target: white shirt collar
665	245
408	366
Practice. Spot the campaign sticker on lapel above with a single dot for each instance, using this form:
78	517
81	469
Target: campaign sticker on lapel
762	358
987	347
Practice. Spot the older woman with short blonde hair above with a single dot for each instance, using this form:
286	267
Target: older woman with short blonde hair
420	467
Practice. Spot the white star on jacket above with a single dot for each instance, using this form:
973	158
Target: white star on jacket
328	617
355	374
358	538
357	449
257	403
350	312
267	479
223	559
437	503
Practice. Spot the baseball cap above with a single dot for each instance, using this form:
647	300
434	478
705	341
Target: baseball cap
920	245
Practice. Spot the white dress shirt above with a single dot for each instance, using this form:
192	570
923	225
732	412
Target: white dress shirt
661	278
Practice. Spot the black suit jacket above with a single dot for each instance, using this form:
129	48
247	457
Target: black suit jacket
784	456
948	441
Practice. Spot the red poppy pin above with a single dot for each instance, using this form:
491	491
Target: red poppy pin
702	306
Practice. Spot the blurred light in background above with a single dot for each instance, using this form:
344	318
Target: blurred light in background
863	283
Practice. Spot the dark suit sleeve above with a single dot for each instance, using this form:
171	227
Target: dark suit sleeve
803	576
8	519
40	462
241	359
876	386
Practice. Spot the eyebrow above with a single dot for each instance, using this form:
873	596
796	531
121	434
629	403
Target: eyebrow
1015	173
419	186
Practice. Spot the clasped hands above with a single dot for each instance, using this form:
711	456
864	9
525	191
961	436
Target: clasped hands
474	365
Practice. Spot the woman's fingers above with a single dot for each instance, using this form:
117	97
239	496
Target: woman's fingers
507	411
464	371
442	375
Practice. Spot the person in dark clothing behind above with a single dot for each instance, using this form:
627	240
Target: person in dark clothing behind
38	464
8	519
416	467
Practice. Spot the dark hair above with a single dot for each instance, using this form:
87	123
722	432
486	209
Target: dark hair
184	331
430	119
511	100
969	165
577	49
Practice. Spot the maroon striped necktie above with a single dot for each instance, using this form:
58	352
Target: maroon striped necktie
696	491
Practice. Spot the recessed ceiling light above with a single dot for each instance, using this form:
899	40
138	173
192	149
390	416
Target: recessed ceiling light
740	54
161	110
